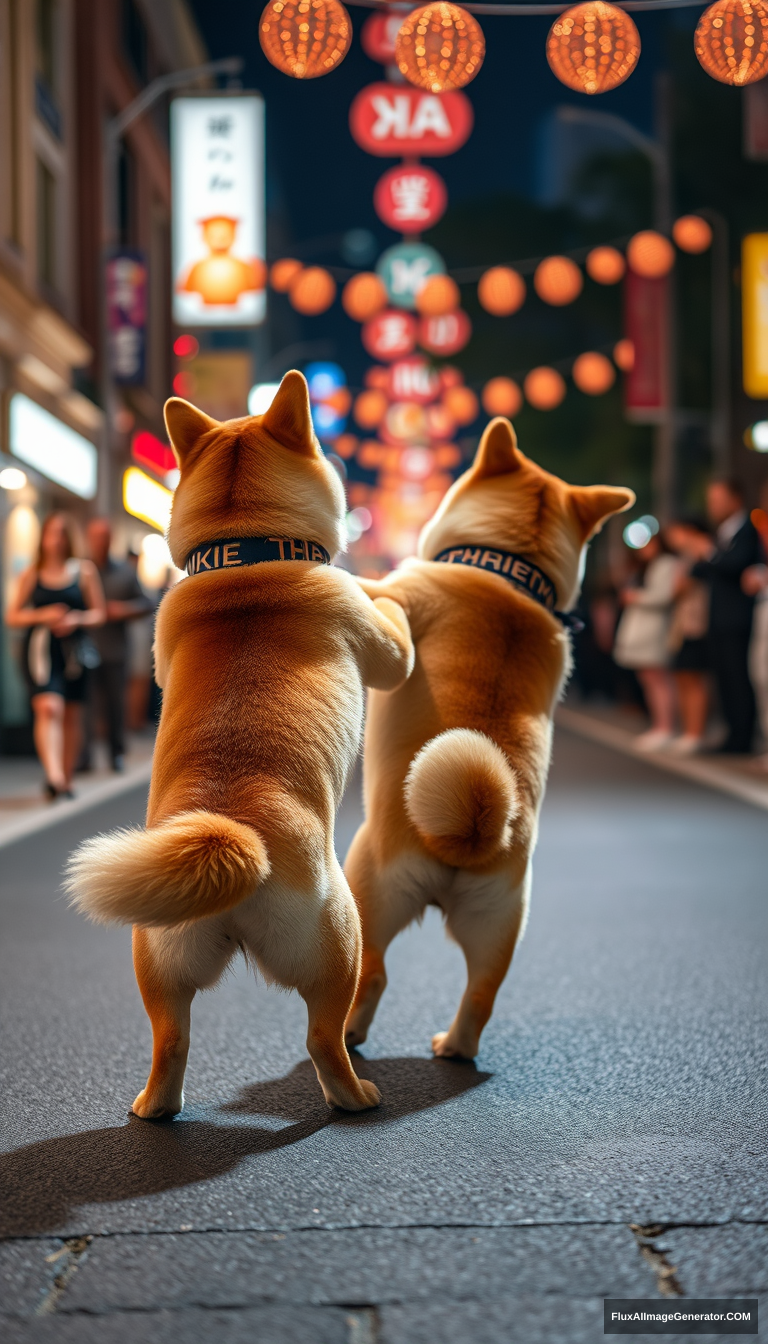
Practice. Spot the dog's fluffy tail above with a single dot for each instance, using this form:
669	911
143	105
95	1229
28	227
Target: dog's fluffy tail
193	865
461	795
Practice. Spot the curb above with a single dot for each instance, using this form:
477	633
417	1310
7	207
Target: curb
61	811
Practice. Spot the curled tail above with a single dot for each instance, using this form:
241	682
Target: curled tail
194	865
461	795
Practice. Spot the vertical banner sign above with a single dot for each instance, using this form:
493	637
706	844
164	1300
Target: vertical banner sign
217	175
646	325
754	298
127	315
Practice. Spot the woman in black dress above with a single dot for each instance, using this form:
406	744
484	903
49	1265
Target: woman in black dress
56	599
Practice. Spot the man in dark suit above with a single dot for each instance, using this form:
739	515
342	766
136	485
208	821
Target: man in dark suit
730	614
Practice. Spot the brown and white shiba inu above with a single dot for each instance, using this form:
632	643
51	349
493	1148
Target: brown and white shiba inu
262	653
456	759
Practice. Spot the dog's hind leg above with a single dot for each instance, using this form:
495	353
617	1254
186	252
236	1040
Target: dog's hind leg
485	919
168	973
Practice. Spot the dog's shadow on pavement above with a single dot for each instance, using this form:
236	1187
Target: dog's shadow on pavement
42	1183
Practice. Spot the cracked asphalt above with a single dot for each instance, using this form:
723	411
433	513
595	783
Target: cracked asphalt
621	1085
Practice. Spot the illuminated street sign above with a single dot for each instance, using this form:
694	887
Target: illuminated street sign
51	447
410	198
754	288
217	171
393	119
404	269
146	499
413	380
445	335
390	334
127	315
378	36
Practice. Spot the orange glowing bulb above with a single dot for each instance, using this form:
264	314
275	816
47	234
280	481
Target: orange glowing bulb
593	373
558	280
593	47
544	388
606	265
462	404
313	291
370	408
439	47
305	38
438	295
364	296
692	234
650	254
501	291
624	355
731	41
501	396
283	273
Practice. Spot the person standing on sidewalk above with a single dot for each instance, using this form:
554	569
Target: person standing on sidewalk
737	548
58	599
126	601
642	638
754	581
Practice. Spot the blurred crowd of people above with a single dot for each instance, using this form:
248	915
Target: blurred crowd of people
86	655
688	630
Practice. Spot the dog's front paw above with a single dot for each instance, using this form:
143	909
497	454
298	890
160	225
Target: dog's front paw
362	1098
149	1107
446	1046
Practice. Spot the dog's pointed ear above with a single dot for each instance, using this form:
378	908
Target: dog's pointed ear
289	419
594	503
498	452
186	426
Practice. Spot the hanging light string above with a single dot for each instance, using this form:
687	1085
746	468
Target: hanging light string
530	11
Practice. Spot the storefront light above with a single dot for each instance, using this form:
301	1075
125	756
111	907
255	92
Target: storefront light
756	437
51	447
11	478
261	396
146	499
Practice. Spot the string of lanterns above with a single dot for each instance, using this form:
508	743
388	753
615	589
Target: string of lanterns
501	290
591	47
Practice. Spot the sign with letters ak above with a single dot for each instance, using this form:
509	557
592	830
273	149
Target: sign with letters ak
394	119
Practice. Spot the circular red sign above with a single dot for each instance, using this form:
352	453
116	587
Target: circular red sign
378	36
410	199
445	335
413	380
395	119
390	334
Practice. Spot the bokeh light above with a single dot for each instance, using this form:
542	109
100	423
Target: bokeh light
544	388
692	234
650	254
558	280
364	296
439	47
501	291
437	296
312	291
593	373
606	265
501	396
731	41
305	38
593	48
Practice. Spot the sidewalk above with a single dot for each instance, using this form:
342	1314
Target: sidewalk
23	809
744	777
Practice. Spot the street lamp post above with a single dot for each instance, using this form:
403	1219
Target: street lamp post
114	131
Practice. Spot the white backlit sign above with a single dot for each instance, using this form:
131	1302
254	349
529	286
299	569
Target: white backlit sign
219	230
51	447
147	499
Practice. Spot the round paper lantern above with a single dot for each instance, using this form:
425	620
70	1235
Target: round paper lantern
462	404
692	233
345	446
544	388
593	47
283	273
650	254
370	408
437	296
593	373
501	291
731	41
364	296
312	291
606	265
501	396
439	47
558	280
305	38
624	355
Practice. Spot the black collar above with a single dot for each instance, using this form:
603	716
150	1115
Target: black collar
238	551
515	569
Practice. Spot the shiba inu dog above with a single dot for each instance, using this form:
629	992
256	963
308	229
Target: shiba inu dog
456	760
262	653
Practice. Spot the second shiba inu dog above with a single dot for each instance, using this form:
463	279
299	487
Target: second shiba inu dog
456	760
262	654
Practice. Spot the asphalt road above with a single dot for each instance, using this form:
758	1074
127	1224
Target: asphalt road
622	1081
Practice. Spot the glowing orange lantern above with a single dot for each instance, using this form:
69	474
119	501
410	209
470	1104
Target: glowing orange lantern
501	291
558	280
447	455
364	296
377	376
305	38
544	388
692	233
312	291
501	396
593	47
371	454
370	408
593	373
606	265
283	273
439	47
345	446
624	355
650	254
437	296
462	404
731	41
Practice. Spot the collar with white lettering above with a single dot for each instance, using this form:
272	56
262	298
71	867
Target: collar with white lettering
515	569
239	551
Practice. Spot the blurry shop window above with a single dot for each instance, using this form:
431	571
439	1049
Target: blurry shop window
46	226
46	82
51	447
135	42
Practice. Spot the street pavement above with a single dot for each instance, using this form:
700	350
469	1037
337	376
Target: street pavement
609	1140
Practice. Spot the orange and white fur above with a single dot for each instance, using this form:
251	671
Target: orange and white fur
456	760
262	670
